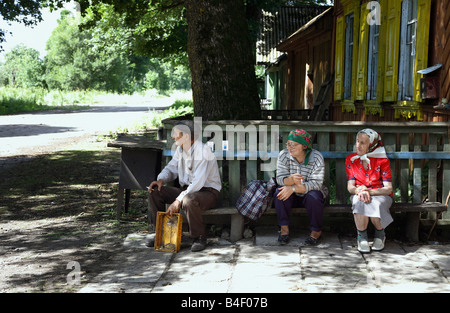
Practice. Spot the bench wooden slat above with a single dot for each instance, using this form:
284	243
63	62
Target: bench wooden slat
404	155
412	209
341	173
331	208
344	208
221	211
418	207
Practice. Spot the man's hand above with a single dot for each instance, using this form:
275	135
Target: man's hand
157	183
174	208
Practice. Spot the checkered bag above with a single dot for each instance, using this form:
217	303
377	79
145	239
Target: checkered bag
256	198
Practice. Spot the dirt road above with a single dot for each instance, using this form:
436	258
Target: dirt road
37	133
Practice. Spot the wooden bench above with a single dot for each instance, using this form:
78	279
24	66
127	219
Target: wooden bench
419	154
412	210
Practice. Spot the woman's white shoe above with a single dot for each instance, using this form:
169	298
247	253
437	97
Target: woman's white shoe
378	244
363	246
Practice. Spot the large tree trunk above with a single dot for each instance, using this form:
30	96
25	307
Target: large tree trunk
221	60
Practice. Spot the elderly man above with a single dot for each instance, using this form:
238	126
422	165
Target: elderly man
197	171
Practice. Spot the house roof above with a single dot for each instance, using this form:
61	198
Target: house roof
277	26
309	27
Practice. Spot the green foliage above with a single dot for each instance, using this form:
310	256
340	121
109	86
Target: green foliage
182	104
73	62
101	58
55	98
22	68
158	28
24	11
14	100
156	120
166	76
17	100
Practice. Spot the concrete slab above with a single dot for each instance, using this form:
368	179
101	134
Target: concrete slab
260	265
266	277
268	236
211	270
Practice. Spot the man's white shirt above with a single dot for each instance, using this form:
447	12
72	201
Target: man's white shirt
195	168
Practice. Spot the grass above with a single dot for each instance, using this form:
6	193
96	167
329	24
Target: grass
18	100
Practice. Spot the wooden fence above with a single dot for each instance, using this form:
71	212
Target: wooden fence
247	150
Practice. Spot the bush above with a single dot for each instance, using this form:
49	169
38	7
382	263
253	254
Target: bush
156	120
14	100
182	104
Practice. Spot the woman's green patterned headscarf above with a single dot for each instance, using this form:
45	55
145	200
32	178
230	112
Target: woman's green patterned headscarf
304	138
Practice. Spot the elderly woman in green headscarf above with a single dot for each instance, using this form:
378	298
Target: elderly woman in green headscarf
300	175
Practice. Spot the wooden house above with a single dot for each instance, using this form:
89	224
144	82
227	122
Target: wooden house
275	28
309	52
390	60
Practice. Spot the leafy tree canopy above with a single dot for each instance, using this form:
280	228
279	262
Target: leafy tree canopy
218	37
158	28
22	68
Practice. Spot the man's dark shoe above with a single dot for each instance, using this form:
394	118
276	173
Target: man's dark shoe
198	244
151	242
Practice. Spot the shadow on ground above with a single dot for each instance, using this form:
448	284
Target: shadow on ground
60	208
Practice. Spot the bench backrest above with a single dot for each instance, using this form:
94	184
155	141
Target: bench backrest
247	150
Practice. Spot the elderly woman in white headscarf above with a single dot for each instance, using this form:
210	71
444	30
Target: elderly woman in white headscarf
370	186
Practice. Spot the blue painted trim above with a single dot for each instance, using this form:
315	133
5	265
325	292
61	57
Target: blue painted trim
440	155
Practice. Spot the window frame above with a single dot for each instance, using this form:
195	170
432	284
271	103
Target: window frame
373	57
407	48
348	54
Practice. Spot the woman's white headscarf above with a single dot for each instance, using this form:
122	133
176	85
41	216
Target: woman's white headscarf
376	148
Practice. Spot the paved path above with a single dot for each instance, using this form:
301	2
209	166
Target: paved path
259	265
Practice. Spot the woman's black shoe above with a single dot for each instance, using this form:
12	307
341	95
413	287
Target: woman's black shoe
283	239
313	241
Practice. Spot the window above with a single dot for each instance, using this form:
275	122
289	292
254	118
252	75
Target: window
408	31
349	20
372	61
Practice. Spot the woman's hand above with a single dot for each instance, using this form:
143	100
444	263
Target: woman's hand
285	193
363	194
294	179
297	179
360	189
